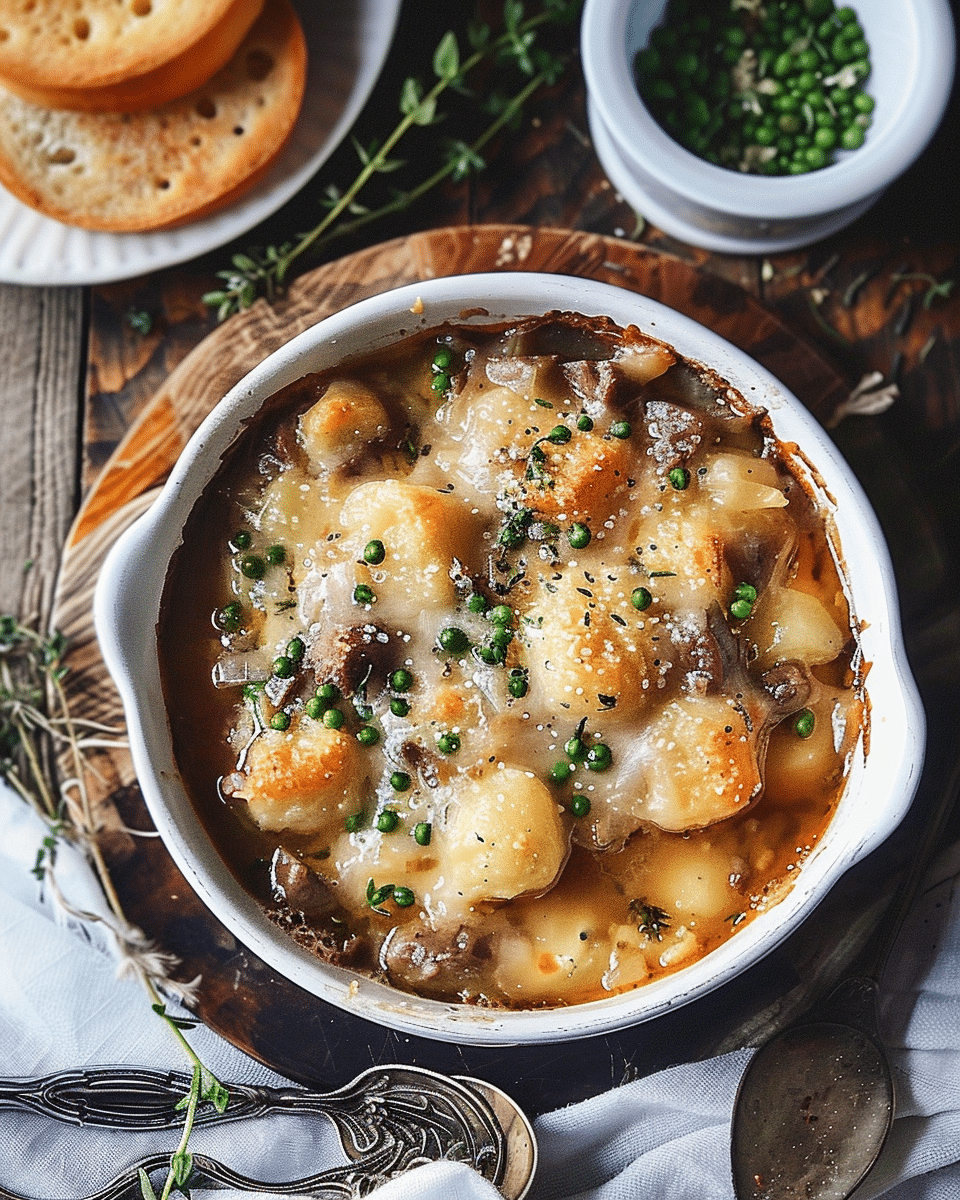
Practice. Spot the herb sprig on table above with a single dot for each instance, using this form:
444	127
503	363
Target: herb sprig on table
515	54
44	758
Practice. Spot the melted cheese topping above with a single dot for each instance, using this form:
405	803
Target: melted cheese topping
538	766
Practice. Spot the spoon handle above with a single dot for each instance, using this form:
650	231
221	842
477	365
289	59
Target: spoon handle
388	1119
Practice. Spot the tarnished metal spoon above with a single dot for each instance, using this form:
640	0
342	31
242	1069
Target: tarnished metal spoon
816	1102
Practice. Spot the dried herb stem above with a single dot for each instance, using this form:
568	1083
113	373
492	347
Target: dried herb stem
265	272
38	736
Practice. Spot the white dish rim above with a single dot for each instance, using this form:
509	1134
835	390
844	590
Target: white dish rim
127	602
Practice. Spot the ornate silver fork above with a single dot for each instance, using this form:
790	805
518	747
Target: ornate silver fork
389	1119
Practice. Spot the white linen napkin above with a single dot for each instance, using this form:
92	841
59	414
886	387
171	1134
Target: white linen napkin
665	1137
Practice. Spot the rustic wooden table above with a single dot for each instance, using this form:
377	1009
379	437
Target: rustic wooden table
76	374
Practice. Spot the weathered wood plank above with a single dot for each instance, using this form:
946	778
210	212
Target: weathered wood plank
41	332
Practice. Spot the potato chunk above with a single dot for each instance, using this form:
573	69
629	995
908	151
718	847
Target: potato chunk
578	651
303	781
346	417
579	480
738	483
793	626
704	763
683	551
421	530
503	837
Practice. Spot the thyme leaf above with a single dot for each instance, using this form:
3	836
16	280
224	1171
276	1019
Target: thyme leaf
650	919
264	272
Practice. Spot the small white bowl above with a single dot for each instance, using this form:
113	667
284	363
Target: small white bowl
881	782
912	53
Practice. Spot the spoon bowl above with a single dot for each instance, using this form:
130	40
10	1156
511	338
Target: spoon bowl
815	1105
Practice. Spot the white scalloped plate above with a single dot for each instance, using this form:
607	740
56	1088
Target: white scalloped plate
347	41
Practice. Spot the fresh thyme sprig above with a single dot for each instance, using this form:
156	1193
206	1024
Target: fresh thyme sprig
42	741
264	272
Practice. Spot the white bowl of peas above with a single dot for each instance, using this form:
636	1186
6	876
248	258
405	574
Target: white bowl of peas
745	127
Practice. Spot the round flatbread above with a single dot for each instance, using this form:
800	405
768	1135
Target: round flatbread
150	170
93	82
111	55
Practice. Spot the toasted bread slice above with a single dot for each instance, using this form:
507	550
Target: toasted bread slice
107	45
130	172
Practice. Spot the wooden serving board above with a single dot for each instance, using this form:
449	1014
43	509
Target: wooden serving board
240	996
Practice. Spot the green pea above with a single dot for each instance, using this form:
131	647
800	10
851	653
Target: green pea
368	735
354	822
403	897
578	535
561	771
401	680
374	552
478	603
803	723
448	743
314	708
399	707
559	435
400	781
640	598
252	566
387	821
741	609
333	718
280	721
282	667
440	383
453	640
599	757
422	832
584	423
575	749
229	618
442	359
518	684
852	137
241	540
679	479
620	429
276	555
363	594
500	614
580	806
816	157
782	65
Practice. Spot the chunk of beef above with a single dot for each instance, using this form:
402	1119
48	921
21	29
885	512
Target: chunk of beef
599	385
437	961
293	883
349	655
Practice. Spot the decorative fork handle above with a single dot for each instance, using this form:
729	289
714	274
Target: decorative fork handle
389	1119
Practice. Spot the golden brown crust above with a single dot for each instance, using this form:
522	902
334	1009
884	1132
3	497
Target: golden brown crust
126	172
169	80
95	43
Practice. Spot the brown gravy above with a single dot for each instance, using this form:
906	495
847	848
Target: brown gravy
511	664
